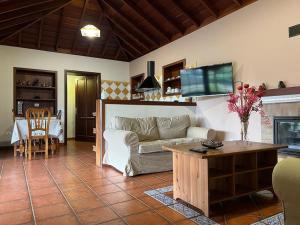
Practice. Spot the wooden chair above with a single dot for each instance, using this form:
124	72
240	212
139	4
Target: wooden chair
18	146
38	120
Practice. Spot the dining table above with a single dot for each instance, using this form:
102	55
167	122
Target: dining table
20	130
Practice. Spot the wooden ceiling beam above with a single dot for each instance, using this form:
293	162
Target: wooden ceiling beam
28	11
6	25
92	41
209	8
238	2
40	34
149	20
117	53
165	16
124	30
62	3
183	11
80	24
108	38
127	42
124	50
117	38
111	28
60	22
132	25
21	5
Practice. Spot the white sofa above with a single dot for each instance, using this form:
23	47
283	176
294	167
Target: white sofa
134	145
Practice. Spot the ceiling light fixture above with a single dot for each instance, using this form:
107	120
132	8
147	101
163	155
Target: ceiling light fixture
90	31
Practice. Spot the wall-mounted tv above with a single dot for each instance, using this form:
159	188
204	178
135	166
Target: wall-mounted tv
207	80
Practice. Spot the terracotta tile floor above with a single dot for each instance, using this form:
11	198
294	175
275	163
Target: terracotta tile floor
69	189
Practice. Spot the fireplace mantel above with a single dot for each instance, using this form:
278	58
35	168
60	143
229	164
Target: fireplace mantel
281	99
282	95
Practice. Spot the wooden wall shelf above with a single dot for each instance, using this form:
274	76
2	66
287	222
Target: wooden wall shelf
135	81
34	88
282	91
171	77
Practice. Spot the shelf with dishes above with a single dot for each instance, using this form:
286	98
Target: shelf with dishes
171	78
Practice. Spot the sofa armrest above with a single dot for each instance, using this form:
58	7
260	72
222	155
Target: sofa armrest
121	137
201	132
286	185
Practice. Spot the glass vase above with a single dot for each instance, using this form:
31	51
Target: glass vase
244	130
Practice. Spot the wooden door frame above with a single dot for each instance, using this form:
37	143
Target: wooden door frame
80	73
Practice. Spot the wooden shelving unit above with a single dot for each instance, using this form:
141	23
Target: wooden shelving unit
171	77
34	88
135	81
241	174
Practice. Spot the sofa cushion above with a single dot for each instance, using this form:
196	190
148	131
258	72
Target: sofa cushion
145	128
173	127
156	146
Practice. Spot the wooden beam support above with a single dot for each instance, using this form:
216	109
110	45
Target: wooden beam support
60	22
124	30
183	11
111	28
80	24
209	8
40	34
137	29
108	38
238	2
117	53
124	50
127	42
92	41
149	20
165	16
62	4
21	5
27	19
20	14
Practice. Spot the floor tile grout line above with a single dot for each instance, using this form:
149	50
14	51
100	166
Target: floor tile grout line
29	193
98	196
69	204
150	208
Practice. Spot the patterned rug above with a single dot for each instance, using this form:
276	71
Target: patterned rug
160	195
277	219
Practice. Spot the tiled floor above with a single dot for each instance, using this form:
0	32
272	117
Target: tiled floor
69	189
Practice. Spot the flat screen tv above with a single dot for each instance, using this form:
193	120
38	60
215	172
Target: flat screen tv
207	80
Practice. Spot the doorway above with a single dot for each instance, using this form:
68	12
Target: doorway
81	91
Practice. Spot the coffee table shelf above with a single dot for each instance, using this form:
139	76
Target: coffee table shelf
236	170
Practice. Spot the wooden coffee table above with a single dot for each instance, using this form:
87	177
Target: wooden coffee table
234	170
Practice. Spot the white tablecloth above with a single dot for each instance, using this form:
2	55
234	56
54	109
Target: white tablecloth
55	130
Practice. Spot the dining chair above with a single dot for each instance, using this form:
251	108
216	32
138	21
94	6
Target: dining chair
19	146
38	121
55	140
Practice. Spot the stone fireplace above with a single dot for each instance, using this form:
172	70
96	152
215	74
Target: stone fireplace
284	126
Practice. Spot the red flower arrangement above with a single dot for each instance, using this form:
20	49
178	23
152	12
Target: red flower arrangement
246	101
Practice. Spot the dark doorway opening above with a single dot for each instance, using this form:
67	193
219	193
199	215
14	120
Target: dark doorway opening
81	89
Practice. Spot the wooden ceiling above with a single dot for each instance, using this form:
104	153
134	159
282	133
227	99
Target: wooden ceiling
129	28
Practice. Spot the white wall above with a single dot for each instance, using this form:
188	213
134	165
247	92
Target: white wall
20	57
255	39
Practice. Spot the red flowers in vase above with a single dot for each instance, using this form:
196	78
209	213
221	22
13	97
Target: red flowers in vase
246	101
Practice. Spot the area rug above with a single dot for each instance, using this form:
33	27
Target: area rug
160	195
277	219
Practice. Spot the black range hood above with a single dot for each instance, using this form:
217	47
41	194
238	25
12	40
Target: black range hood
150	83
